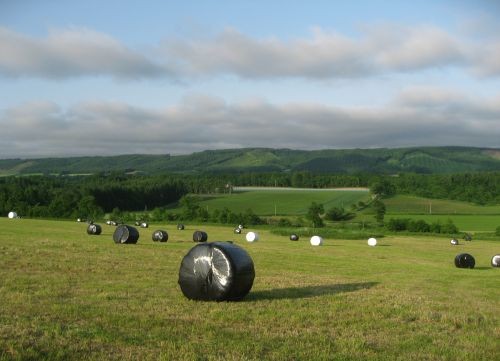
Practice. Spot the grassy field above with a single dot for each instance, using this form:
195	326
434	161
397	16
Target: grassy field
66	295
465	223
418	205
282	202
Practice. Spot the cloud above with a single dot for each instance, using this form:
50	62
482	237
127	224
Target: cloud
71	53
418	116
378	50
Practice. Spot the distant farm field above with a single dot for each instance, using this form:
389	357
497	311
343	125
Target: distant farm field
465	223
420	205
66	295
267	202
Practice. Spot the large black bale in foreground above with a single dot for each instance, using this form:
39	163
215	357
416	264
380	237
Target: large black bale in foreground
94	229
217	271
126	234
464	260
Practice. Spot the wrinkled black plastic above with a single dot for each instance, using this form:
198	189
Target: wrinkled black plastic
216	271
125	234
94	229
495	261
294	237
160	236
200	236
464	260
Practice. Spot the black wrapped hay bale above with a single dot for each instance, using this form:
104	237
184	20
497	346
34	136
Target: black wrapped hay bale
160	236
126	234
200	236
144	225
294	237
180	227
217	271
464	260
495	261
94	229
454	242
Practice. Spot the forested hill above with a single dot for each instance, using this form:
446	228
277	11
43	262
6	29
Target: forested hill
344	161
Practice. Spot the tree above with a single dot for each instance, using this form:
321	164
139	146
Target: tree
383	188
190	207
339	214
379	209
314	214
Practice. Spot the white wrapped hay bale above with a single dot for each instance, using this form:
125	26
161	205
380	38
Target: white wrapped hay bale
252	237
316	241
372	242
454	241
12	215
495	261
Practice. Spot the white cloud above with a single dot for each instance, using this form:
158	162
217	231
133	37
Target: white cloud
71	53
380	49
418	116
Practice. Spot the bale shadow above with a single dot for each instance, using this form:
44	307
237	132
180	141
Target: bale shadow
307	291
483	268
384	245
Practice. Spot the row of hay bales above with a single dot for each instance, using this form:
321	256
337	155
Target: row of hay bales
222	271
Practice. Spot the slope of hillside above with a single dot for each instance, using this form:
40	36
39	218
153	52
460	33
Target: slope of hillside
344	161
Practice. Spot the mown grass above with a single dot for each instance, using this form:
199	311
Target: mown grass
289	203
66	295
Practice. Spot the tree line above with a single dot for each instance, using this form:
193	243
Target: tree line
70	196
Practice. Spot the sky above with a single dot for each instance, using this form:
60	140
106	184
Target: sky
98	77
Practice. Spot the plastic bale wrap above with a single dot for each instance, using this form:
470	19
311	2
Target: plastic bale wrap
217	271
464	260
495	261
12	215
372	242
144	225
126	234
294	237
252	237
160	236
316	241
200	236
180	226
454	242
94	229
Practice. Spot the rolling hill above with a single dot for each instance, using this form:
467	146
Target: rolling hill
341	161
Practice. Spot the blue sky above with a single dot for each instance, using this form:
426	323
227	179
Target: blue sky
116	77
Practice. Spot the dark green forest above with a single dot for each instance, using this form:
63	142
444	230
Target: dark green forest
92	196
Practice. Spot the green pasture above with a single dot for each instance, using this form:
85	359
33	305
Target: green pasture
465	223
67	295
418	205
282	202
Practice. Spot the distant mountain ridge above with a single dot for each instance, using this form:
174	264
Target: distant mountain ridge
341	161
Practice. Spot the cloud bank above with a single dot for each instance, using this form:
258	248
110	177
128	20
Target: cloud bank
418	116
381	49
